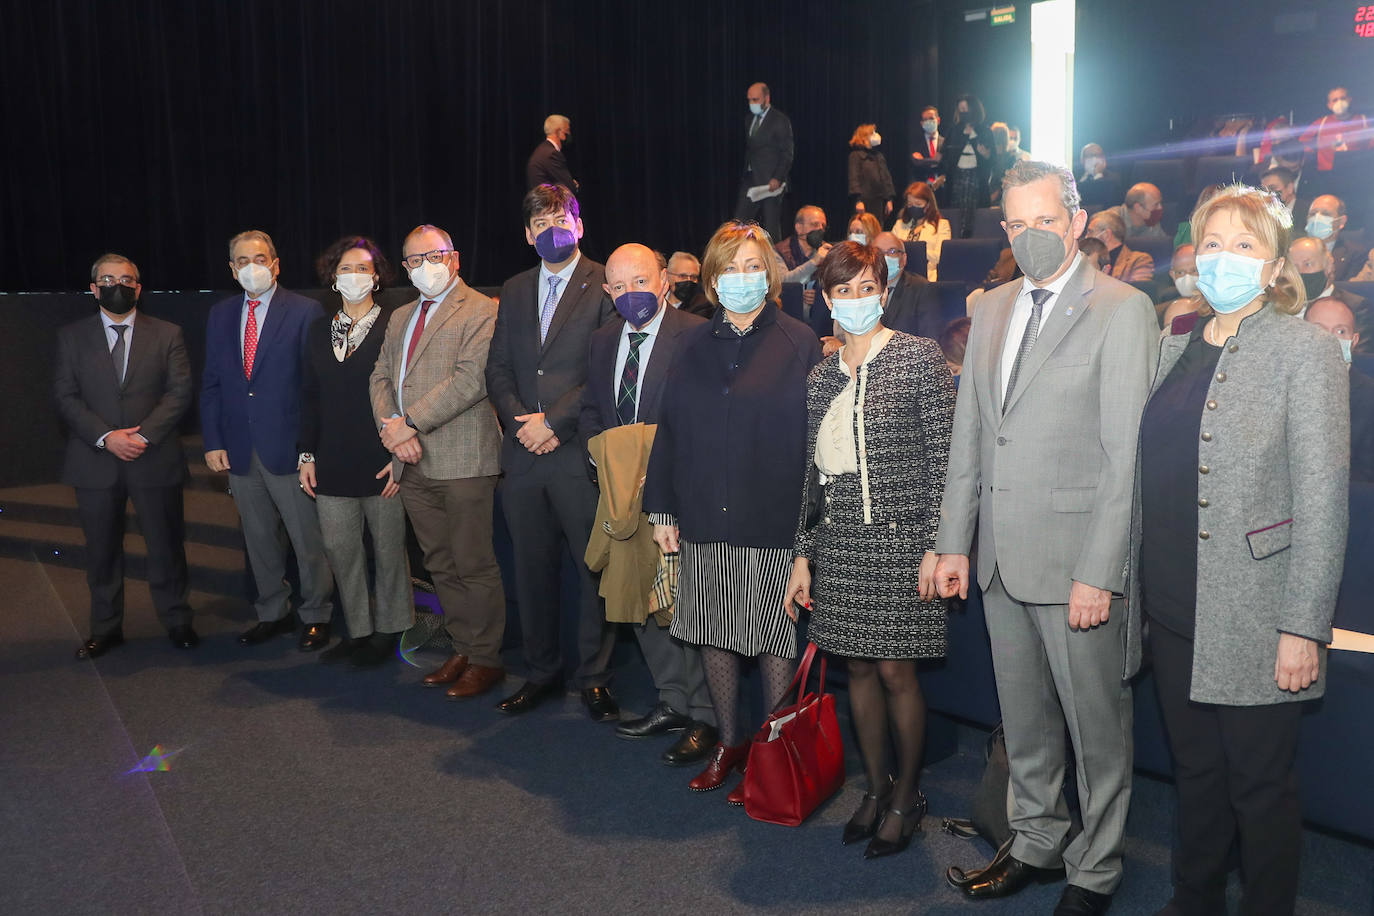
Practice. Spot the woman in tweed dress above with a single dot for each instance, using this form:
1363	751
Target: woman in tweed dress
879	419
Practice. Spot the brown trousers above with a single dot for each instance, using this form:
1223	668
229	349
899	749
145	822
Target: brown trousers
453	523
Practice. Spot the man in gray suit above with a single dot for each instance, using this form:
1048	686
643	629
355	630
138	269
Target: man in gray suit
429	398
1042	463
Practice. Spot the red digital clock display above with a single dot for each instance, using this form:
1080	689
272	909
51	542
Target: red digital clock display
1364	21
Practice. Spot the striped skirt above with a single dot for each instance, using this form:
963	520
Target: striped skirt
731	598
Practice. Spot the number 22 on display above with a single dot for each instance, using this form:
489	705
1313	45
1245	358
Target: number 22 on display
1364	21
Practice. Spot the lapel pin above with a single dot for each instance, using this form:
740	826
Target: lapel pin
1069	311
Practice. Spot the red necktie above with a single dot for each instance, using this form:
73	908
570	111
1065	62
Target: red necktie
419	330
250	338
932	147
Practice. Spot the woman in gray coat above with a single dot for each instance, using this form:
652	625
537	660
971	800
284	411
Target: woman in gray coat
1238	541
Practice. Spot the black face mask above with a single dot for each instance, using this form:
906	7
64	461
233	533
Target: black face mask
914	214
686	290
117	299
1314	283
815	238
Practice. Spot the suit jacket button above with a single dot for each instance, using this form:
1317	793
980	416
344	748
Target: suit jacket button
1203	535
1211	405
724	509
1206	437
1001	440
539	372
1203	469
250	394
1202	502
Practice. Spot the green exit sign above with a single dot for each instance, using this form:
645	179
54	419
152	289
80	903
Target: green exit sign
1003	15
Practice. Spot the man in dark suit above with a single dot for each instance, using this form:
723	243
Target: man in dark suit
913	305
684	285
250	407
928	158
1098	186
629	363
547	164
767	159
1328	221
1336	317
1317	267
123	384
536	369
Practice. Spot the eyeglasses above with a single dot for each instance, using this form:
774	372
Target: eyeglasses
110	280
677	276
434	257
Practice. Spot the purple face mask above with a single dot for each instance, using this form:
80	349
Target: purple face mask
555	244
637	306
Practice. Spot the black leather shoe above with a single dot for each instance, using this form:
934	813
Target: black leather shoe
660	720
376	650
910	823
856	828
183	637
1011	876
694	746
264	630
97	646
961	879
1079	901
342	650
314	636
601	706
528	697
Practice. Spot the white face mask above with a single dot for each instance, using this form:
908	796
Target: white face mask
1091	165
858	237
255	279
875	140
354	287
430	279
1186	285
929	125
1340	107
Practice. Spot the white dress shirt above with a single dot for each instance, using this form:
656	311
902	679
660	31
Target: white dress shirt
111	336
1021	312
622	354
541	291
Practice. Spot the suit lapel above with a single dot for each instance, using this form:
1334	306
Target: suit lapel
270	332
100	344
138	345
1067	308
992	361
438	317
1170	349
659	358
568	302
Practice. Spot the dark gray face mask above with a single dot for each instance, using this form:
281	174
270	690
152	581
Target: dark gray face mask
1038	252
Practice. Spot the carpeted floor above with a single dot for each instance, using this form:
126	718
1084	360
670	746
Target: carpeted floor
296	788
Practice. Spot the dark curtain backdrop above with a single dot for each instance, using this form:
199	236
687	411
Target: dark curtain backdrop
159	128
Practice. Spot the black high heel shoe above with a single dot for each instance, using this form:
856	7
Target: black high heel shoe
878	847
857	830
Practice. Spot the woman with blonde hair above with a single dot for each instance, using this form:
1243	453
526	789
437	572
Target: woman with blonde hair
870	182
1238	539
724	479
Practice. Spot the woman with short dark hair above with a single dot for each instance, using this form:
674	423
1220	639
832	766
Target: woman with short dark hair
341	455
880	413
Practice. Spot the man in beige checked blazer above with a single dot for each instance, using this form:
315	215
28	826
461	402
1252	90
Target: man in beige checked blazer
429	397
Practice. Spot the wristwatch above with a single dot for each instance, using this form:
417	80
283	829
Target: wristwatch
411	423
305	458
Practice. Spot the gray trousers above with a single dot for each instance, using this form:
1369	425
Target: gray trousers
342	519
1049	679
676	669
268	502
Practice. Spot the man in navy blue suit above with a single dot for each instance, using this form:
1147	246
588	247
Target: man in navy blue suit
250	415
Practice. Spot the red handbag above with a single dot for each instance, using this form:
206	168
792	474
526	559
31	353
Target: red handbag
796	760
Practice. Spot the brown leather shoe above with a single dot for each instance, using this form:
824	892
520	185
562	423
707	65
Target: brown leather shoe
447	673
477	679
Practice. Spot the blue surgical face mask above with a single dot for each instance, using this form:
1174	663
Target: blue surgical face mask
755	108
741	293
858	237
857	316
894	269
929	125
1345	349
555	244
1319	226
1229	281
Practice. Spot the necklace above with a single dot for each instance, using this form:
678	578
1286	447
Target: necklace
1210	333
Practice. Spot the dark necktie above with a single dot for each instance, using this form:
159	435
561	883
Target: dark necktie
626	400
419	330
117	353
755	125
1038	298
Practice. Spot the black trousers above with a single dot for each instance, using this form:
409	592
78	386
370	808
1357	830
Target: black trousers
160	518
548	507
1235	768
767	212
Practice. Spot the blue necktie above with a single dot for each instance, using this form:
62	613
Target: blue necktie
550	304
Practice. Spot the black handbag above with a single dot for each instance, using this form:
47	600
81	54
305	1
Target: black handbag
815	496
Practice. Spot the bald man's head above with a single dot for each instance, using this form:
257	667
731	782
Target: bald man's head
1309	256
759	97
634	268
1325	211
891	247
1336	318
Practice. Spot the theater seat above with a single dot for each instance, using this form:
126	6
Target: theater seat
953	300
968	261
1162	250
917	261
1169	175
956	221
1363	289
792	300
1222	170
987	223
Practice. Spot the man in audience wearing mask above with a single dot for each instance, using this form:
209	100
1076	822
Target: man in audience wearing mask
536	370
928	157
250	417
1142	212
1183	273
1337	133
1098	186
1283	184
547	164
1316	267
1337	318
122	407
630	358
1327	221
429	399
684	285
1122	262
1014	144
803	251
767	160
913	305
1042	463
